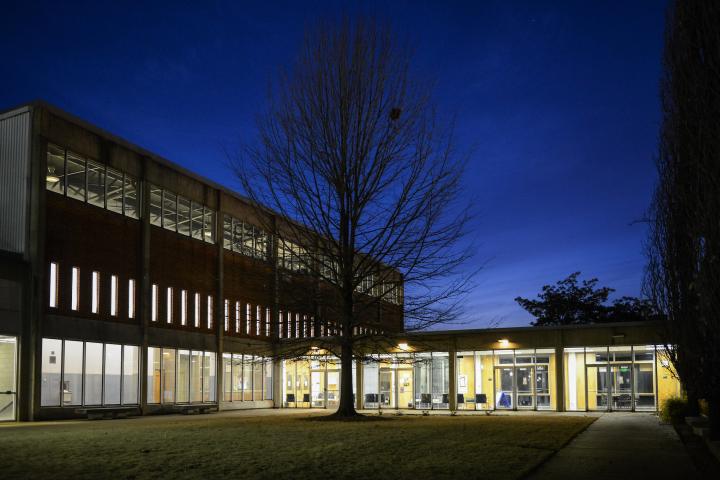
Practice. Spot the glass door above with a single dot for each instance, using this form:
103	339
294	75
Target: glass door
542	387
525	387
621	386
8	379
333	388
597	387
387	388
504	387
317	389
644	380
405	389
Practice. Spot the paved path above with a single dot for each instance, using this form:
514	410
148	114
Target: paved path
622	445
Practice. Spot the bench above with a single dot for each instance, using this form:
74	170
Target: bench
192	409
98	413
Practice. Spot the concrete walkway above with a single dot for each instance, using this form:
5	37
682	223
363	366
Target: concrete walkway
627	445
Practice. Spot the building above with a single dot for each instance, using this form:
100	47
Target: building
126	280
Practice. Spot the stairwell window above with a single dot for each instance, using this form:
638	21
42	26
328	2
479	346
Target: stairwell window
154	303
169	305
183	307
95	294
131	298
53	300
113	295
75	289
196	317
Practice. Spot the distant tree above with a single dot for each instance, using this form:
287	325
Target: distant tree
632	309
568	303
365	181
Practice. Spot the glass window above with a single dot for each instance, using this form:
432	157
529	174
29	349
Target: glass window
423	398
153	375
196	370
169	305
183	376
75	289
169	211
237	377
237	236
75	171
227	377
156	205
114	191
154	303
55	177
130	197
440	380
168	375
113	373
72	373
227	232
131	298
197	310
183	307
131	371
371	393
96	183
183	216
209	226
268	385
93	373
258	379
209	385
54	276
196	222
247	378
51	359
113	295
95	293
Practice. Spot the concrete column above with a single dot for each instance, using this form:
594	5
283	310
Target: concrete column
220	299
559	380
278	399
32	309
452	392
144	287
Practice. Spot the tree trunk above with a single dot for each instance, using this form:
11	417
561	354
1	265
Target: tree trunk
346	407
693	406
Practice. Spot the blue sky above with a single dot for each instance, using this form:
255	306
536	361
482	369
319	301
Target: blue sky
558	102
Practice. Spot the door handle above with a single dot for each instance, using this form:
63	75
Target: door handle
8	392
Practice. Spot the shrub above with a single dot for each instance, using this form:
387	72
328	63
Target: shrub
674	410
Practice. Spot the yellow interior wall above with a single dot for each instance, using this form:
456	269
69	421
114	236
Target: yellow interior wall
667	385
466	369
552	382
488	387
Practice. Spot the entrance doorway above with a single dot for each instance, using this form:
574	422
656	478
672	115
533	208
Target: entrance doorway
610	387
8	378
405	388
387	388
333	388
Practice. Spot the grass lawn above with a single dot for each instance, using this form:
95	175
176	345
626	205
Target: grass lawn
233	445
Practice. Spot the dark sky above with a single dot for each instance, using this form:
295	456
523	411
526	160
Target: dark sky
558	102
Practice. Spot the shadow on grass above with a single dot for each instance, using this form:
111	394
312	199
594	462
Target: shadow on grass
335	417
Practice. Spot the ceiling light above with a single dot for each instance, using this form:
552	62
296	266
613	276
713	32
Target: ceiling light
504	342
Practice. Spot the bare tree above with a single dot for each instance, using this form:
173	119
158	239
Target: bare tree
683	274
365	185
